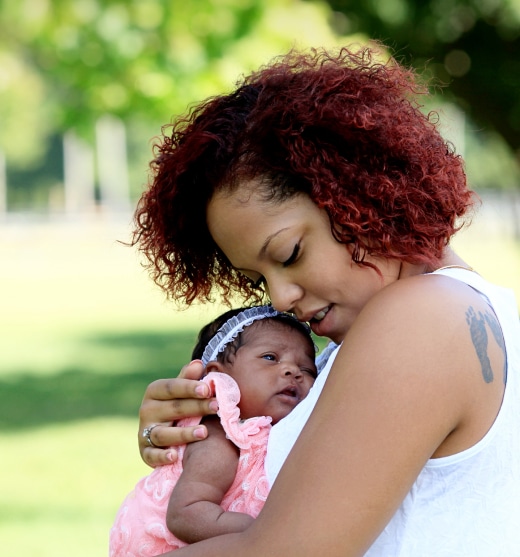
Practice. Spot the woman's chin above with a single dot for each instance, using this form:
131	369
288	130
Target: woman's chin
327	327
321	328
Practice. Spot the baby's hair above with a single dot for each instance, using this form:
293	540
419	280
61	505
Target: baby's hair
231	348
209	331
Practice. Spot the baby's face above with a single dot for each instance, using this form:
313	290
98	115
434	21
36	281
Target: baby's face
274	368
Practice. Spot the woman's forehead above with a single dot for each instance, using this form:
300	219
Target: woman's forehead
242	191
244	228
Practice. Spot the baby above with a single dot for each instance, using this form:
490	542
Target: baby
260	365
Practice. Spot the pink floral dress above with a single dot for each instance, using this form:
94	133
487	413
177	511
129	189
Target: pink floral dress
139	528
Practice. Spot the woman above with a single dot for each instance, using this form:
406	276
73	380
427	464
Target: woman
320	182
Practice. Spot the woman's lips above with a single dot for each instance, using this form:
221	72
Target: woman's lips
320	314
318	323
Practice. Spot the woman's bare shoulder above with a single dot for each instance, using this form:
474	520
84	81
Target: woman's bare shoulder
422	322
430	343
433	306
427	290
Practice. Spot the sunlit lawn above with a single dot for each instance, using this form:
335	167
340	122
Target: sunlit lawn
83	331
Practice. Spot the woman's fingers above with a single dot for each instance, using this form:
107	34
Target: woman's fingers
193	370
158	457
168	400
187	402
178	388
168	436
163	436
185	385
165	412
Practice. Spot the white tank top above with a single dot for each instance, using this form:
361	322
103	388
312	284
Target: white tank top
463	505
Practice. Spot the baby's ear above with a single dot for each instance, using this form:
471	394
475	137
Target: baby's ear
215	366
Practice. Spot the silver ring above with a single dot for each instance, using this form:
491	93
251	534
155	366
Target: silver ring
146	434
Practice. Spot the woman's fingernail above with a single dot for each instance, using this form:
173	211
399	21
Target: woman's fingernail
199	433
195	362
213	405
201	390
170	456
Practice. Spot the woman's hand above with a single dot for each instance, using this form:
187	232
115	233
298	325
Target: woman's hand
168	400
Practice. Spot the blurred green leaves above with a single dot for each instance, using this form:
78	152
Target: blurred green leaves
70	62
64	64
472	47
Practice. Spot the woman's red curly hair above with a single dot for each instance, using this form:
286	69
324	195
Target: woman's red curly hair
342	128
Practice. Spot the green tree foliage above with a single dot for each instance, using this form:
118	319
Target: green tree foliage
66	63
473	46
144	58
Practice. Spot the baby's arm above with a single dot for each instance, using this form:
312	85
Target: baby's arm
209	468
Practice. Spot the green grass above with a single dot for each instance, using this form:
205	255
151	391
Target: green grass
83	331
61	485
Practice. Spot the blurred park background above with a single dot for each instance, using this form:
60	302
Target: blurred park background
85	86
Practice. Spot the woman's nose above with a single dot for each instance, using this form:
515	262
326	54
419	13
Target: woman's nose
284	296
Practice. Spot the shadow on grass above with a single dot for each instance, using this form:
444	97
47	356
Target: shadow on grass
28	400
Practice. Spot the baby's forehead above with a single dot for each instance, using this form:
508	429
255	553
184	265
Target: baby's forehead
266	325
272	322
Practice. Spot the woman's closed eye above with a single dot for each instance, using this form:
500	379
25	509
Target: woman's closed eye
293	257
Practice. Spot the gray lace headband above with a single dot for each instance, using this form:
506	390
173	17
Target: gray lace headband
233	327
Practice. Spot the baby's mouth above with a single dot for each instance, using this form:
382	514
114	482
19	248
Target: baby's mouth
291	392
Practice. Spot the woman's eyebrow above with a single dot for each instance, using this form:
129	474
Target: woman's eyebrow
265	245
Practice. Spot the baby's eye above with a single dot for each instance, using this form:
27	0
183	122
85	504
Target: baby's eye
270	357
311	371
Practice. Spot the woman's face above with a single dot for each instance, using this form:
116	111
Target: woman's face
290	247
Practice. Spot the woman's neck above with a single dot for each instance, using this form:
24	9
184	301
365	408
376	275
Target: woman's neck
449	259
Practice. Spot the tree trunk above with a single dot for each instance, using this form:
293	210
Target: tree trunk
112	165
78	162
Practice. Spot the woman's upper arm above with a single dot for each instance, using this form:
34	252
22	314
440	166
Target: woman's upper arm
393	396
